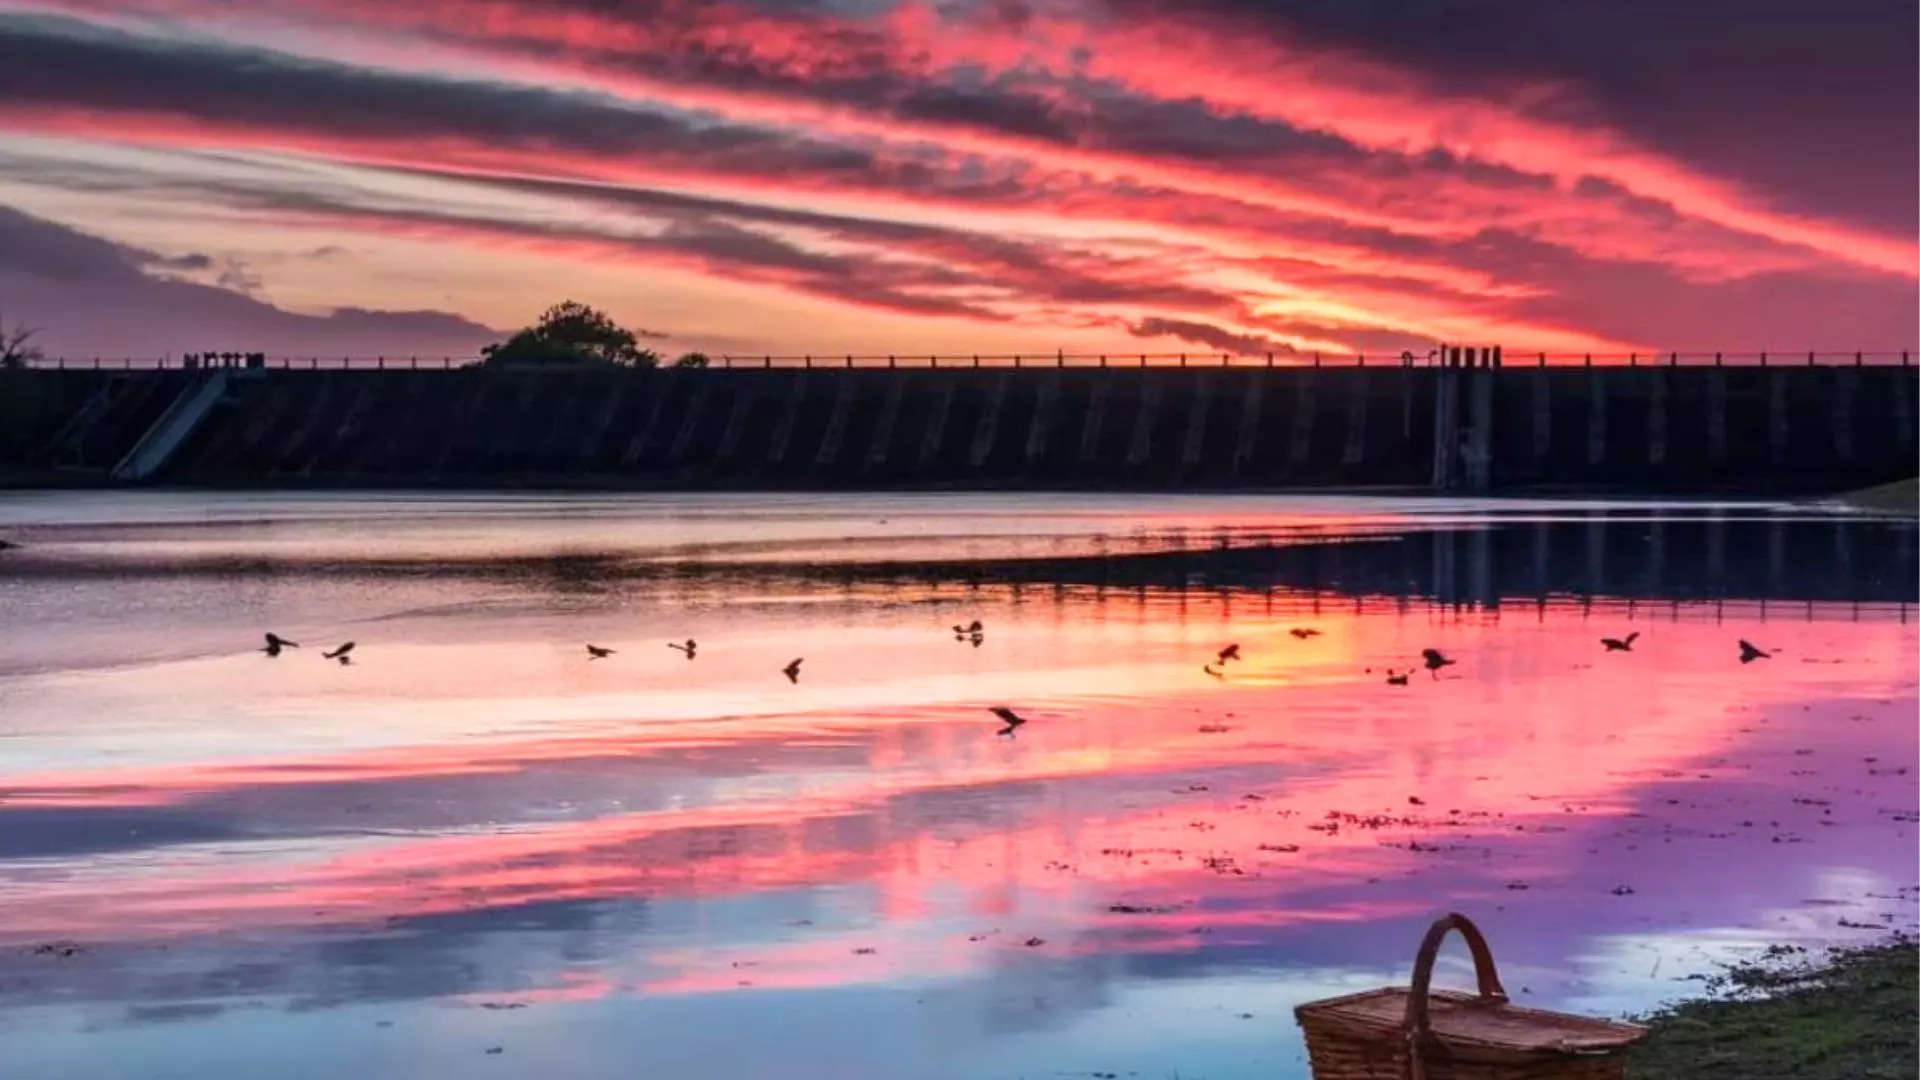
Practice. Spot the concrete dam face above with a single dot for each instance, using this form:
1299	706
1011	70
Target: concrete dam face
1676	429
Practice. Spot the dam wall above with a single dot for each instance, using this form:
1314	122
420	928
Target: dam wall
1659	429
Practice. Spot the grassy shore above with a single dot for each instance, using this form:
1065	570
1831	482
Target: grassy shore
1851	1015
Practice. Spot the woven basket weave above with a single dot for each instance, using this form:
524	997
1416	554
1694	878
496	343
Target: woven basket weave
1413	1034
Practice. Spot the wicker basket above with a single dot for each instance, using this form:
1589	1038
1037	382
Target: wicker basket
1411	1034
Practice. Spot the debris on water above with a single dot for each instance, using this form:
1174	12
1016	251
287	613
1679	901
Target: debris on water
1213	729
864	950
1623	890
496	1049
497	1005
1518	886
1415	800
1142	909
1282	848
1034	942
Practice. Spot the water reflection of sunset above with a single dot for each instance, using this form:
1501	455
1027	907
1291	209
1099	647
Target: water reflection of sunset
644	828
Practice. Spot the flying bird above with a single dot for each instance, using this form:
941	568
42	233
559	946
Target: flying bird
1012	718
595	652
1398	680
792	671
275	643
1231	652
688	648
1435	661
1304	632
1749	652
1213	671
1624	644
339	654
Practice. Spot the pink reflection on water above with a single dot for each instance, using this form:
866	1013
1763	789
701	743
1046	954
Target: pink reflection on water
1201	806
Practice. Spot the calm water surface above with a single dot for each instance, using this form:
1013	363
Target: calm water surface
475	839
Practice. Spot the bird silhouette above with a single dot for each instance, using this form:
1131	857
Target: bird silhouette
1213	671
275	643
1624	644
1435	661
1231	652
1399	679
792	671
687	648
595	652
1012	718
1749	652
339	654
1304	632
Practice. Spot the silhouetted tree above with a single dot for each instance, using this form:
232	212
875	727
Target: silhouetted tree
692	360
14	350
572	333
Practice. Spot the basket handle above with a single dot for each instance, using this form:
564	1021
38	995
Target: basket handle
1419	1031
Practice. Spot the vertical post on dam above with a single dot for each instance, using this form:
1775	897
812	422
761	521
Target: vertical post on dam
1717	417
1776	417
1596	418
1479	452
1657	417
1446	419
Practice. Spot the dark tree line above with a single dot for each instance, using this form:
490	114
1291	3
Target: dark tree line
571	334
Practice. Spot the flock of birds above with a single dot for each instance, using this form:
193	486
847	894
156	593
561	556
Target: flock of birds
975	632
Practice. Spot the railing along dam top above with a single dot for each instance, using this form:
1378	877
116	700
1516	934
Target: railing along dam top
959	361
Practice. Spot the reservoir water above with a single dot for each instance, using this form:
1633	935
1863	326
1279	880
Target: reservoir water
477	851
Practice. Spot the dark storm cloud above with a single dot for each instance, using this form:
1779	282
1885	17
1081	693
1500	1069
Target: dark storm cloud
82	289
59	62
1206	334
1814	101
1648	302
190	261
900	265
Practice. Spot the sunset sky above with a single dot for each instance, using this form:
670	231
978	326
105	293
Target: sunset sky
353	176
